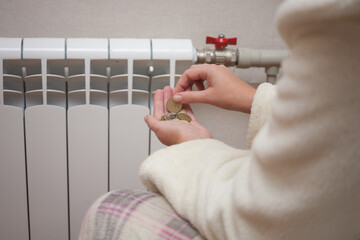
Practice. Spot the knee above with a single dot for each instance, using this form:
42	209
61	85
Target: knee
110	208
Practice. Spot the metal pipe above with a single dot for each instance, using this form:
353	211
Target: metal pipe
227	57
241	57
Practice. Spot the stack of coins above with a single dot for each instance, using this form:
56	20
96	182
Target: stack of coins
176	112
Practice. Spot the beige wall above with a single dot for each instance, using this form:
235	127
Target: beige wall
251	21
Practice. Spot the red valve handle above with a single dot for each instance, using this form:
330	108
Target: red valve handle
220	42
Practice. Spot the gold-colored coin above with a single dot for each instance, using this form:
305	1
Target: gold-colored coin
184	121
184	116
163	118
171	116
172	106
182	110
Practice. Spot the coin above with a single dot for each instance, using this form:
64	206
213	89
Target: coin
182	110
172	106
171	116
184	116
176	112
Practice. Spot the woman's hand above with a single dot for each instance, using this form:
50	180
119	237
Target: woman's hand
173	132
224	89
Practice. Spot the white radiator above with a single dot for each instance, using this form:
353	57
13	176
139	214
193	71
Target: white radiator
71	125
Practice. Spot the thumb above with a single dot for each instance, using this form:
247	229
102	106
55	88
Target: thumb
191	97
152	123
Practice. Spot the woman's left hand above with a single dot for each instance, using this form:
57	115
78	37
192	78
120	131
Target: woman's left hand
173	132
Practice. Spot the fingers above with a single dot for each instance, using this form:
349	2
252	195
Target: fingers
189	112
153	123
187	106
168	93
190	76
192	97
200	85
158	104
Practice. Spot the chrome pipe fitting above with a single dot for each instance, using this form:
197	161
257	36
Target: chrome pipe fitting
241	57
227	57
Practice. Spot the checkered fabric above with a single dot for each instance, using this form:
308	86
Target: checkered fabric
134	214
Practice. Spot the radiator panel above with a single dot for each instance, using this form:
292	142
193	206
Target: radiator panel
88	160
47	171
129	141
13	200
13	182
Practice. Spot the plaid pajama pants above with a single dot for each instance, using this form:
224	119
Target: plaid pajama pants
134	214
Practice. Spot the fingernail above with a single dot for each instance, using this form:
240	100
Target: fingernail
177	98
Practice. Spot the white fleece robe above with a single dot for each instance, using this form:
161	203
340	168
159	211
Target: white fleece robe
301	177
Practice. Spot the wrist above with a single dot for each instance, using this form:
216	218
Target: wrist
250	100
244	99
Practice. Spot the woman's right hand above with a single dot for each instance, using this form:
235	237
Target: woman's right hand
224	89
